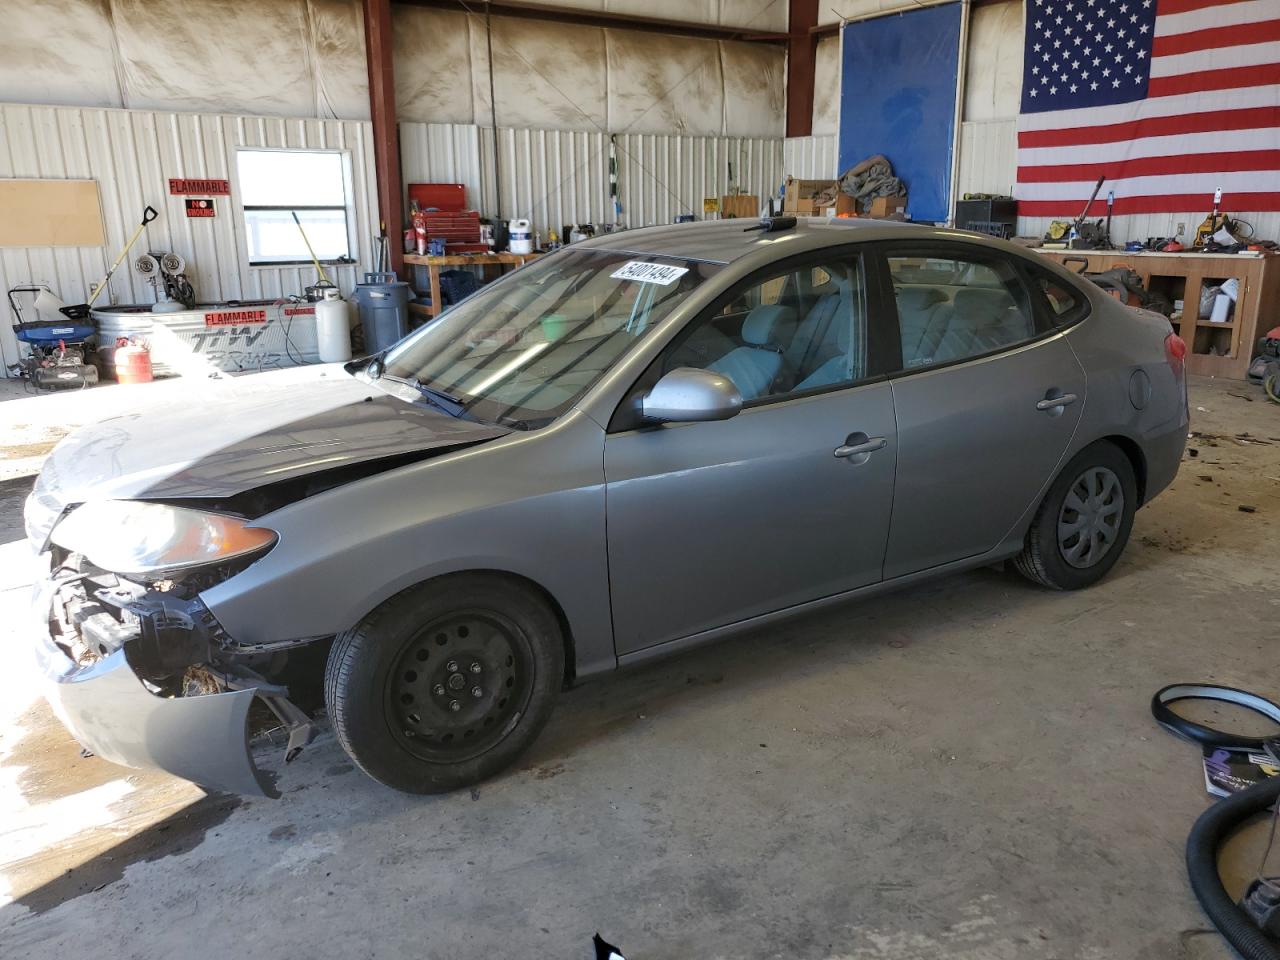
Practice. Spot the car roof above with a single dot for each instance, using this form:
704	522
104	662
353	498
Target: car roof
724	241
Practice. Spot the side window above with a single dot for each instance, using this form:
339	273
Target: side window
1065	305
791	331
953	307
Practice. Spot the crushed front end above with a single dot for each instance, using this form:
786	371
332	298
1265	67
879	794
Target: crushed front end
142	674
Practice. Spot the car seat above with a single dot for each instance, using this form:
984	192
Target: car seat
923	316
982	320
838	368
811	346
754	366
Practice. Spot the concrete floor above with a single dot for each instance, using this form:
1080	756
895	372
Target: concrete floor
964	770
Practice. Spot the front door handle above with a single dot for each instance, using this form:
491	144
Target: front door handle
1049	403
856	449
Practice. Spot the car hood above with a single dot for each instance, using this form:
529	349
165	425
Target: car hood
243	436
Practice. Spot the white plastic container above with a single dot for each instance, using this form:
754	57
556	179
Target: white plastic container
333	331
521	233
1223	301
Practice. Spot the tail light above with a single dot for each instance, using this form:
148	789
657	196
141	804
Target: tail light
1175	352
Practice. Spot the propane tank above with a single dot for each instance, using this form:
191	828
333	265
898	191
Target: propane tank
132	361
333	330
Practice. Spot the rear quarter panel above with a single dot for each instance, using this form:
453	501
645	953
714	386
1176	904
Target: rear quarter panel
1118	347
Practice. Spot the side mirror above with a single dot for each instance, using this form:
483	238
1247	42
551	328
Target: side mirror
688	395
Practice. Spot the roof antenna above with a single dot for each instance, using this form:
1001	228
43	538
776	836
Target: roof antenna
773	224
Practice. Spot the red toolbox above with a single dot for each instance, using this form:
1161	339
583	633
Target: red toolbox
446	197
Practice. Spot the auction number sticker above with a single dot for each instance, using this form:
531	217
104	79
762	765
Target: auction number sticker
649	272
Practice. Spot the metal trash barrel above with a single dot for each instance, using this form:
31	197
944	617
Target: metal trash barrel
383	305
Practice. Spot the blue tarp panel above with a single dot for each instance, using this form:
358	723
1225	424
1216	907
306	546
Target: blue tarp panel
898	98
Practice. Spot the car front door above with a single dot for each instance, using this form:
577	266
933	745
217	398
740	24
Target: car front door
987	400
717	522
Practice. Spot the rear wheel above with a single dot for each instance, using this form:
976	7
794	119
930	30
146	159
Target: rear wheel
446	683
1083	523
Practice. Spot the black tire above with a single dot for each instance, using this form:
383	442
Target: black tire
1044	558
416	646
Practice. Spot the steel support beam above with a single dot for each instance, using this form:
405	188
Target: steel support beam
600	18
386	137
802	51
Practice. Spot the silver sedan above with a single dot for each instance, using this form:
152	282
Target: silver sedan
640	443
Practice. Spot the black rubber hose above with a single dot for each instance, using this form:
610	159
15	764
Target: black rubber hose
1206	837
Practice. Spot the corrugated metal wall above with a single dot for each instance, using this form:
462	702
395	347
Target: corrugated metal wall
441	153
554	177
988	157
558	177
811	158
132	154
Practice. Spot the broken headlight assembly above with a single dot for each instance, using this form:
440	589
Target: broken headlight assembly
132	573
150	540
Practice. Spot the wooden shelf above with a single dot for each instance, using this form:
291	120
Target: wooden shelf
470	259
1184	276
433	265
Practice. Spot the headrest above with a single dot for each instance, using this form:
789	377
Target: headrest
916	299
983	303
764	322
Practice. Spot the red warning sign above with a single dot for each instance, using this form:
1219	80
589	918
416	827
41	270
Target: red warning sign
202	207
182	186
232	318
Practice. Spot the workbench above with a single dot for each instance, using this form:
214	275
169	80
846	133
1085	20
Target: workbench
486	261
1213	349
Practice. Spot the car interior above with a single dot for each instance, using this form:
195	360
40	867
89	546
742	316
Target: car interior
949	309
794	332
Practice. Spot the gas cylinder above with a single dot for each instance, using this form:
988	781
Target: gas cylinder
333	331
132	361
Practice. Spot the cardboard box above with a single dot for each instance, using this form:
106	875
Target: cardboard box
845	206
740	205
882	207
797	197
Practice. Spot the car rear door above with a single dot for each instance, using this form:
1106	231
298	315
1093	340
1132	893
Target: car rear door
987	398
713	523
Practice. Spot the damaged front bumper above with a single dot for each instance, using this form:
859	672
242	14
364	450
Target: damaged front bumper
109	709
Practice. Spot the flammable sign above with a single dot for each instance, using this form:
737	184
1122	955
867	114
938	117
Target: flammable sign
201	207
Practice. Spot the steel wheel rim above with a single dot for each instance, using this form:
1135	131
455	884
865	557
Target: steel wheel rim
1091	517
459	686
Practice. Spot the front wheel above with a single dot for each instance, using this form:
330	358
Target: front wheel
1083	523
445	684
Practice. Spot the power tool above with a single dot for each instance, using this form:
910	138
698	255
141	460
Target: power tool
1080	234
1207	234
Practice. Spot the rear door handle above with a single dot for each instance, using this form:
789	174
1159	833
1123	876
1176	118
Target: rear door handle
854	449
1048	403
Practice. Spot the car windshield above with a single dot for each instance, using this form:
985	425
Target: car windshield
523	350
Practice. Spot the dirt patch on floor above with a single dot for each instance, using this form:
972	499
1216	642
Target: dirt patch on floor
21	451
51	760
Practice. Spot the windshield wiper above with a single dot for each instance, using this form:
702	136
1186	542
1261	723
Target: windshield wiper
442	401
438	398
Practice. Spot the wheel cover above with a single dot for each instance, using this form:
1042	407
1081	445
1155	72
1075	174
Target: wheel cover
459	686
1091	517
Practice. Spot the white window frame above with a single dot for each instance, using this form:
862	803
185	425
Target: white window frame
349	209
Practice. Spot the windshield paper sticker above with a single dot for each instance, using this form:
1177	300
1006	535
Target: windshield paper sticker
649	272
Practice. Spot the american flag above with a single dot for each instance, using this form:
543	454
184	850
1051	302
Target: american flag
1168	99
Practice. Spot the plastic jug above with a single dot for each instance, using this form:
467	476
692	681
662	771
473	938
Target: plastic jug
521	236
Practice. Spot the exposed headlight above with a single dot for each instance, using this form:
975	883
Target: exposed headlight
131	537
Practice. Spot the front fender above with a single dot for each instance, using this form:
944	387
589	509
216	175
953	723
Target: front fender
530	504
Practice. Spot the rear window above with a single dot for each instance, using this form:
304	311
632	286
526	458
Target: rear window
1065	304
